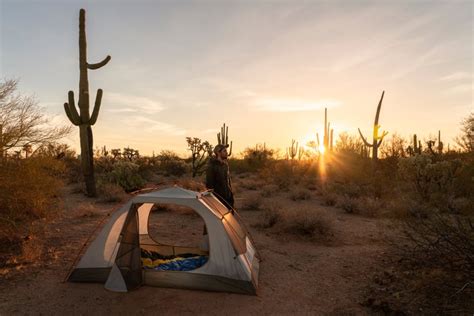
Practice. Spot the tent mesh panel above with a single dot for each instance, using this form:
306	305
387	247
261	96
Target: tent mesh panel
128	256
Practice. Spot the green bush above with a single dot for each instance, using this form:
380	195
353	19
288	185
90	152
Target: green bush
125	174
170	164
433	181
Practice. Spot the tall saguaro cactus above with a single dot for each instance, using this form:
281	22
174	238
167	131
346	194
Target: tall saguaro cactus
223	138
292	151
328	133
377	139
83	119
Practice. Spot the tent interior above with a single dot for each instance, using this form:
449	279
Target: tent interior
177	239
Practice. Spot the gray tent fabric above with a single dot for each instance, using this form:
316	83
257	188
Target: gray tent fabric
115	281
113	257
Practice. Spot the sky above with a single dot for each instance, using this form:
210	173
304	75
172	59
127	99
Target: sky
265	68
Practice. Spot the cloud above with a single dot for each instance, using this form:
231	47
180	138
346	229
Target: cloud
151	125
124	103
461	88
460	75
292	105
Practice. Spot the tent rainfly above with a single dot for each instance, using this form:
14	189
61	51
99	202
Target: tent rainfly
115	257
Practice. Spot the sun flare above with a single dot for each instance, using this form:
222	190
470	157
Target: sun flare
322	149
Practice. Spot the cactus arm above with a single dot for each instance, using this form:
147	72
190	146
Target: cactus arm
95	113
71	111
227	135
69	115
230	149
100	64
365	140
385	133
379	106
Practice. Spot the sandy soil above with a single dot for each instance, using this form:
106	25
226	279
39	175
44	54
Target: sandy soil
296	276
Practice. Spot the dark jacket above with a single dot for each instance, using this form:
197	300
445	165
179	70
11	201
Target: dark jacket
218	179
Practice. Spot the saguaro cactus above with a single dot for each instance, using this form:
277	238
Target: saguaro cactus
83	119
328	133
377	139
440	143
223	138
293	150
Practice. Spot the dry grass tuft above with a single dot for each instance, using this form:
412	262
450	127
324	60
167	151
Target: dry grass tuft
190	184
110	193
250	184
329	198
300	194
173	208
269	190
253	202
306	222
366	206
87	210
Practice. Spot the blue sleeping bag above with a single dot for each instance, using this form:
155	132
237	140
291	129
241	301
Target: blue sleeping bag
185	264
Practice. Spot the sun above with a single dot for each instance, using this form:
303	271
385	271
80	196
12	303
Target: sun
322	149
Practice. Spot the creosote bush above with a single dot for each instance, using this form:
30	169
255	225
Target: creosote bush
110	192
29	189
305	222
252	202
299	194
125	174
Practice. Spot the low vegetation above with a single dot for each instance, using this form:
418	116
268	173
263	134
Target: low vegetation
424	191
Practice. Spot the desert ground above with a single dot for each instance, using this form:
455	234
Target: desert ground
327	274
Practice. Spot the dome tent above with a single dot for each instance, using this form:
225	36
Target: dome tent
114	257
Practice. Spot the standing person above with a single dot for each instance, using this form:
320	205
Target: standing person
218	176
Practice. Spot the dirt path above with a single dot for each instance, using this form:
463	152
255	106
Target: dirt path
296	276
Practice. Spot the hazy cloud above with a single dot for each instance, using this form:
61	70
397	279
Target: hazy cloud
125	103
293	105
460	75
150	125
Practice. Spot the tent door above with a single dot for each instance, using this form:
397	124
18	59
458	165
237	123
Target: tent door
128	258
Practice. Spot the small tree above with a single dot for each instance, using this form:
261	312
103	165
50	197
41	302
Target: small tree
466	139
22	124
200	153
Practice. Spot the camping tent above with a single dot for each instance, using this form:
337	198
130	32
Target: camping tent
115	256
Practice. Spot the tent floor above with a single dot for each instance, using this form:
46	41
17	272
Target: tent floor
195	281
171	279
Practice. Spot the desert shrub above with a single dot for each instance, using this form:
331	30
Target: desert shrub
348	204
170	164
271	216
432	181
367	206
252	202
370	206
280	173
29	189
306	222
299	194
269	190
173	208
254	159
190	184
110	192
435	260
125	174
329	198
250	184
